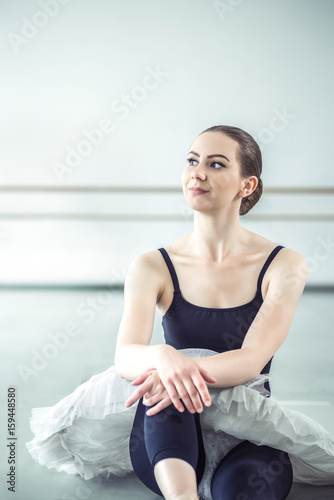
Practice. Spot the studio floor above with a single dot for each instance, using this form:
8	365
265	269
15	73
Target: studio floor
302	377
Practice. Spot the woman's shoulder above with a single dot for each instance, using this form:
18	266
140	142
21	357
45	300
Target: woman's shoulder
146	270
150	264
287	262
286	253
147	261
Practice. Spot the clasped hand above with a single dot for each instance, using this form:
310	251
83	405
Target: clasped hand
176	378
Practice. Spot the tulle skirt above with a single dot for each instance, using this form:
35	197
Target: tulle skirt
88	431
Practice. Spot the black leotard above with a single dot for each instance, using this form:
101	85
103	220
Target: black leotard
247	471
187	325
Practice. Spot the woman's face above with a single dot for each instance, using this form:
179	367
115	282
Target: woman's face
212	165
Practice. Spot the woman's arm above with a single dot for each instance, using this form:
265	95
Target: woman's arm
181	376
265	335
142	288
269	328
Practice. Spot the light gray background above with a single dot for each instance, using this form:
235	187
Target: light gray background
235	62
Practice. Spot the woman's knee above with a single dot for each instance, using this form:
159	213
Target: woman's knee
253	472
168	434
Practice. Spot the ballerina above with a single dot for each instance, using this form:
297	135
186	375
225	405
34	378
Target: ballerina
201	422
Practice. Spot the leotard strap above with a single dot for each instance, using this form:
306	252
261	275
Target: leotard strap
266	265
171	268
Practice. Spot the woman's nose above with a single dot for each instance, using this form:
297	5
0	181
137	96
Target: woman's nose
198	172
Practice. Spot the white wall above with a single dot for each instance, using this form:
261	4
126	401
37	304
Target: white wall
185	65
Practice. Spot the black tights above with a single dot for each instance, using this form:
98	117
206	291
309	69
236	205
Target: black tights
247	472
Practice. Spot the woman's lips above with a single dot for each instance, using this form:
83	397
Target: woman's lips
197	191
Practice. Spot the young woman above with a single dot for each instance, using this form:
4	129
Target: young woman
201	422
222	288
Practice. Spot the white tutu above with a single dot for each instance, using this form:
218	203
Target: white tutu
88	431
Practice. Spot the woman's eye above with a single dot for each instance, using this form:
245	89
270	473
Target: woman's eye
220	165
217	163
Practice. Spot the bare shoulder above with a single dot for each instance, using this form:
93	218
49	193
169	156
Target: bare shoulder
287	269
289	258
285	257
289	272
146	268
292	257
146	262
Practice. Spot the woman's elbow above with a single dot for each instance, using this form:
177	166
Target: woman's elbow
119	364
255	366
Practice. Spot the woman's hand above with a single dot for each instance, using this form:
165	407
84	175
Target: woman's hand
182	378
153	392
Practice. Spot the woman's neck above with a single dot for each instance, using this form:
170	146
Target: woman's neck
216	237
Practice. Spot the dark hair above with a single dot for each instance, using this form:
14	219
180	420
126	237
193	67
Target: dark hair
250	159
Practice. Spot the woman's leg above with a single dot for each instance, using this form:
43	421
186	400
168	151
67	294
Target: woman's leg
176	479
251	472
168	447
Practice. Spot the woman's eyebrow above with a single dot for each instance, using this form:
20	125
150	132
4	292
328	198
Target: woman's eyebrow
209	156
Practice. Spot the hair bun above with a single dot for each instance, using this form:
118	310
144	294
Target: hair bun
249	158
248	202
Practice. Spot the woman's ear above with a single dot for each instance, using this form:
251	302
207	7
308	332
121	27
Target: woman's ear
249	185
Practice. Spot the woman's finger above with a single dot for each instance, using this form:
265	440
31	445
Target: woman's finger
185	392
206	375
202	389
158	407
154	393
193	395
192	389
139	380
132	399
154	399
143	389
174	396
